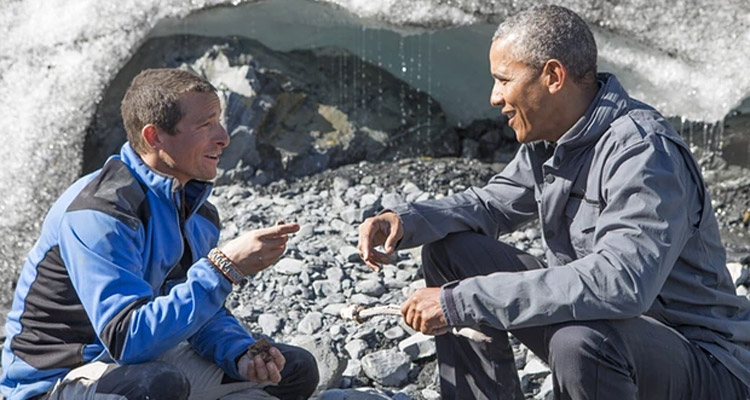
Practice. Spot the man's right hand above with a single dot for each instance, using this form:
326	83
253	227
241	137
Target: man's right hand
384	229
258	249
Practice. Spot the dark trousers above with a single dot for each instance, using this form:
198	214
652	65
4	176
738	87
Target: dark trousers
180	373
636	358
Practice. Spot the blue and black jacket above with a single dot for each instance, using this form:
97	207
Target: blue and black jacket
119	274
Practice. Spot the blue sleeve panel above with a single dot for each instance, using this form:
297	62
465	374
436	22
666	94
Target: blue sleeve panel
107	271
222	339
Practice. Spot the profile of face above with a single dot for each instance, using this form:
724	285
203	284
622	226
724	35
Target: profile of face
521	93
194	150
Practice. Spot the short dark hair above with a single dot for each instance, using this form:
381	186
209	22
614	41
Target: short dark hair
546	32
153	98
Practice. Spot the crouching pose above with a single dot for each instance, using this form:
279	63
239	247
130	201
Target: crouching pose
122	295
634	300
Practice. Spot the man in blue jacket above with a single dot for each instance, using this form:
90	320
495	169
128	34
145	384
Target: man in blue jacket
122	295
634	300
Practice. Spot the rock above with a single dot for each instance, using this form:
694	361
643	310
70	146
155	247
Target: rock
736	271
333	309
349	253
353	368
418	346
364	299
390	200
352	394
394	333
545	391
326	288
311	323
330	367
356	348
430	394
289	266
387	367
535	368
352	215
370	287
269	323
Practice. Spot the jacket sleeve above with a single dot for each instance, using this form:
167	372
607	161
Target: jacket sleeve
637	239
104	257
505	203
223	340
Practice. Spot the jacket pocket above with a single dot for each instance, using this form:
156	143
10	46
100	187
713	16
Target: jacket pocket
582	215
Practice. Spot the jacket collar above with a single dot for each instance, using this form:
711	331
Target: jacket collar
165	187
609	104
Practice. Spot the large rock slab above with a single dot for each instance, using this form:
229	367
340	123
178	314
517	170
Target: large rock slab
286	119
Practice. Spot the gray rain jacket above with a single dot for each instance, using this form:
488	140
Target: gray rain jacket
628	230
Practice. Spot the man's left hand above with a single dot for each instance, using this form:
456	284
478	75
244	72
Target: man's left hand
255	369
423	312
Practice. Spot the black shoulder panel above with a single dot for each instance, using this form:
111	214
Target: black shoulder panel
209	212
54	325
116	192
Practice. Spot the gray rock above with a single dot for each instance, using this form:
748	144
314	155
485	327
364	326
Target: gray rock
353	368
330	366
349	253
370	287
352	215
311	323
418	346
356	348
387	367
269	323
333	309
364	299
430	394
340	185
394	333
390	200
353	394
545	391
289	266
326	288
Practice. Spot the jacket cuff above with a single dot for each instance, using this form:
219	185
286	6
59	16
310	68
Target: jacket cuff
230	367
404	213
448	304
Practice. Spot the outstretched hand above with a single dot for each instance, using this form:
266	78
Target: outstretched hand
385	229
258	249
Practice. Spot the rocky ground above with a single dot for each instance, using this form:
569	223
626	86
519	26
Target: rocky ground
299	299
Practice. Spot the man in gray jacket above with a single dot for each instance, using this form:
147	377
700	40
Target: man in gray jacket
634	300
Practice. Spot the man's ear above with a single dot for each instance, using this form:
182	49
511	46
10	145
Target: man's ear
554	75
152	135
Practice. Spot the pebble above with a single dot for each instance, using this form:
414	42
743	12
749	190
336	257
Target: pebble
269	323
387	367
418	346
311	323
370	287
289	266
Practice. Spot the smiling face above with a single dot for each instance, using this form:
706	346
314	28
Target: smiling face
193	151
520	92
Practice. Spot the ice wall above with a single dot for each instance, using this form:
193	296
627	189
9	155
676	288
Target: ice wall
57	57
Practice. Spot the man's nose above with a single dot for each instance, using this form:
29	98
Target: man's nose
496	97
222	137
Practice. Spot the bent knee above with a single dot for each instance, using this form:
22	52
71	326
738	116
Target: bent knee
154	380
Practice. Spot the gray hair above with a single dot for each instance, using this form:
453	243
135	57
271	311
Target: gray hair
546	32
